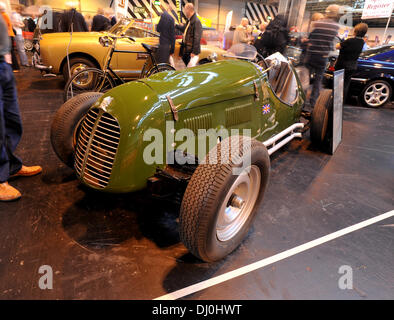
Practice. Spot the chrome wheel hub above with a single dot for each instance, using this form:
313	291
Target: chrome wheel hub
376	94
238	204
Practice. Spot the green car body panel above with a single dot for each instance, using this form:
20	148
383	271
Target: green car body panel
227	94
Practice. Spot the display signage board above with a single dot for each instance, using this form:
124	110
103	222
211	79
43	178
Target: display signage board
337	110
374	9
121	7
229	20
179	9
140	10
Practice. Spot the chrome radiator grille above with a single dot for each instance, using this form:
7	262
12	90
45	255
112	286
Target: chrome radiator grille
97	145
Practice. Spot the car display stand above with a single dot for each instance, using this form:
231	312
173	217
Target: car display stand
337	110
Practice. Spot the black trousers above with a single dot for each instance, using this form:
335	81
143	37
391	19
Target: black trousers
15	63
186	58
318	73
10	124
346	83
163	55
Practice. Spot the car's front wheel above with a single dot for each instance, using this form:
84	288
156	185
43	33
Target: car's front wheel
376	94
67	120
220	204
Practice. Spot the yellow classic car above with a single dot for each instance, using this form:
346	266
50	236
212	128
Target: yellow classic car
86	51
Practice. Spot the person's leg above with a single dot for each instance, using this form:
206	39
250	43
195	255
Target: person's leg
186	58
20	45
12	121
308	90
317	85
163	53
15	63
346	83
4	163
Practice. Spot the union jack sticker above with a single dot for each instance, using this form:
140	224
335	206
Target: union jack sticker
266	108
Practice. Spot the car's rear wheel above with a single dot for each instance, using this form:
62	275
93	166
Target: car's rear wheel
218	206
28	45
376	94
160	68
77	64
88	80
64	130
321	115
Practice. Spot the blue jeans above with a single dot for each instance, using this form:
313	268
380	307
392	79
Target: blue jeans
10	124
317	82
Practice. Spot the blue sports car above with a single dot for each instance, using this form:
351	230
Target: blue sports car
373	81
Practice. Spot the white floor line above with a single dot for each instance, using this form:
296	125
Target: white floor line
280	256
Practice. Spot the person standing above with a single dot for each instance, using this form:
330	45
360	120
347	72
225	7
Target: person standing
71	17
10	124
275	37
258	43
349	53
18	25
109	13
319	45
11	34
241	33
100	22
166	27
192	33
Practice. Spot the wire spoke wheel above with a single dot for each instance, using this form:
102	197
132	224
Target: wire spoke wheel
89	80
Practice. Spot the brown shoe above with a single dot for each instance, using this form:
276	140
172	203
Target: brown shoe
8	193
27	171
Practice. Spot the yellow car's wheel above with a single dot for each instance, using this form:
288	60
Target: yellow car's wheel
77	64
88	80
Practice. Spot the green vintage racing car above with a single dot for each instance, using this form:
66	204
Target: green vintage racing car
207	132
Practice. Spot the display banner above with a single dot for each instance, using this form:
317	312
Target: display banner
229	20
141	9
257	12
337	110
179	9
121	8
374	9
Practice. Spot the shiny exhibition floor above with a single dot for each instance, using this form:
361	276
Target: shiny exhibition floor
103	246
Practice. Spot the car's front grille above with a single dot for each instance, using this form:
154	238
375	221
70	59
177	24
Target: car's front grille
97	145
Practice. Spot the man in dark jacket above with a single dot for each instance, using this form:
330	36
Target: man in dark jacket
100	22
10	123
276	36
166	27
191	45
74	18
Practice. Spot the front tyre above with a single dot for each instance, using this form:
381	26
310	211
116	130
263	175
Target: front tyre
65	125
218	206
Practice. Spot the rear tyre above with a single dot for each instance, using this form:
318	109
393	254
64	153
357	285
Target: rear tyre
218	206
320	124
64	130
28	45
89	80
77	64
159	68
